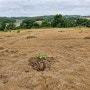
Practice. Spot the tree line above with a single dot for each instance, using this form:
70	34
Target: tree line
57	21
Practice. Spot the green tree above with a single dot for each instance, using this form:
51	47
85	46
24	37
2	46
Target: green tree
2	26
23	25
7	20
45	24
67	23
28	23
35	25
88	23
81	22
10	26
57	21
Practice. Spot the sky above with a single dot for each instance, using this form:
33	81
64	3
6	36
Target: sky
44	7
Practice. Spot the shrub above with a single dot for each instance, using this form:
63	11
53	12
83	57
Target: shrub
18	31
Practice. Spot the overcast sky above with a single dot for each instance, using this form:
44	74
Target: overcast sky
44	7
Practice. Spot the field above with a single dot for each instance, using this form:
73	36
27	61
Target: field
68	67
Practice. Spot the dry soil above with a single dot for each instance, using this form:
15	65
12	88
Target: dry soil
69	69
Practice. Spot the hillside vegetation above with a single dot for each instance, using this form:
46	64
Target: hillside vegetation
54	21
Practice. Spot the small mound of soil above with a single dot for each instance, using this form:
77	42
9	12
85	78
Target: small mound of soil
1	48
3	79
40	64
87	38
28	37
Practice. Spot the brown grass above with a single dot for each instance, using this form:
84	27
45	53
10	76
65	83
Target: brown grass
70	69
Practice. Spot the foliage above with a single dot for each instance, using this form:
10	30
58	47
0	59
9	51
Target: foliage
35	25
10	26
2	26
41	18
83	22
7	20
87	23
23	25
60	21
57	21
41	56
27	23
18	31
45	24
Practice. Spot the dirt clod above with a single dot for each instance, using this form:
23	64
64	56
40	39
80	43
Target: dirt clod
1	48
40	64
87	38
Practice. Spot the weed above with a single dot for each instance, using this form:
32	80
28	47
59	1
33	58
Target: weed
41	56
18	31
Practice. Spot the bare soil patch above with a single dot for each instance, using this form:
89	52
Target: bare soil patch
41	64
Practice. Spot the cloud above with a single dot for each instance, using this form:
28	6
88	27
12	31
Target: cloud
43	7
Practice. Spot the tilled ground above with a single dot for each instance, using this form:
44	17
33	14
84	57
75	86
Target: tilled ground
67	65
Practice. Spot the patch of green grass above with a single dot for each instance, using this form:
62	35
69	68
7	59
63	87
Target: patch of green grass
41	56
18	31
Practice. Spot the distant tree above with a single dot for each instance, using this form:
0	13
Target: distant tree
23	25
10	26
27	23
81	22
35	25
45	24
2	26
7	20
88	23
67	23
57	21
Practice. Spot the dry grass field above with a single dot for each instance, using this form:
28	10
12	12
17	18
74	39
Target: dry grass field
68	65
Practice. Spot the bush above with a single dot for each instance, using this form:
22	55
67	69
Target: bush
18	31
2	26
10	26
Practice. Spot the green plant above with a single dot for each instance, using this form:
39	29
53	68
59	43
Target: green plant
18	31
41	56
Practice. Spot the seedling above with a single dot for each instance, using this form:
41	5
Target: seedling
41	56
